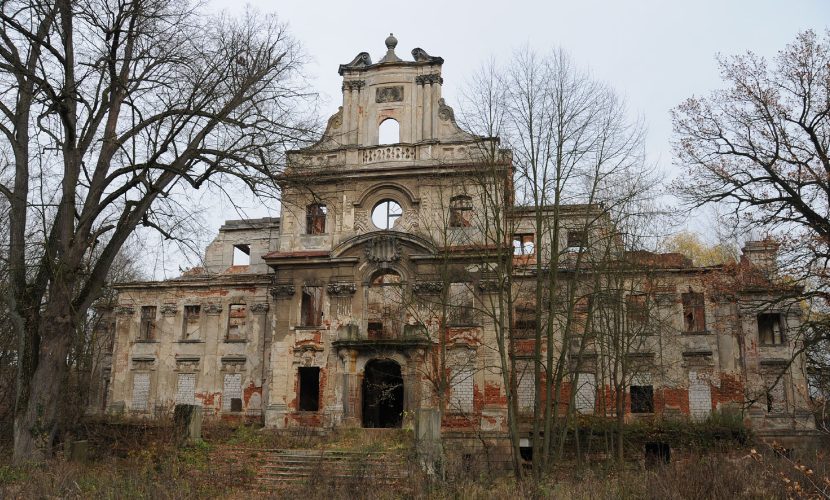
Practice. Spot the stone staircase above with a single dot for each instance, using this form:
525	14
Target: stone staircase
303	465
275	468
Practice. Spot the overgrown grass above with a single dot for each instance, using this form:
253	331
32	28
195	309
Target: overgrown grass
143	462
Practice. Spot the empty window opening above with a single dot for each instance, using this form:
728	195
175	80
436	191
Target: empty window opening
577	240
461	211
461	308
315	218
309	388
147	330
775	396
383	394
386	214
525	449
232	392
311	307
375	329
694	312
241	255
770	328
385	307
525	321
657	453
192	322
642	399
389	132
524	244
237	318
636	309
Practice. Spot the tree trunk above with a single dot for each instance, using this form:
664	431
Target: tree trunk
35	426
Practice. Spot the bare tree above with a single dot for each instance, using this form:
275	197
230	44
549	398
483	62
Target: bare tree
761	147
113	112
579	167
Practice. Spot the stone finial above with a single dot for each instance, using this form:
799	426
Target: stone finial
391	43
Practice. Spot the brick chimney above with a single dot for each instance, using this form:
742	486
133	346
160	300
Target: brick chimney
761	254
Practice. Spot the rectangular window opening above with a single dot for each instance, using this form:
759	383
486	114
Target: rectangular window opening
525	322
237	318
241	255
316	218
186	389
642	399
309	388
461	211
232	392
192	322
636	309
577	240
147	330
311	307
524	244
461	310
694	312
770	328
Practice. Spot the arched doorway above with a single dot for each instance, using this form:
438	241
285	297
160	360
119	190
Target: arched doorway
382	394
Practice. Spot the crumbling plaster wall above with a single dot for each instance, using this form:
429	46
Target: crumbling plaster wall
210	356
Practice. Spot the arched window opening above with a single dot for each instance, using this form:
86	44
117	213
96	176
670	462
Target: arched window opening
386	214
315	218
461	211
389	132
385	306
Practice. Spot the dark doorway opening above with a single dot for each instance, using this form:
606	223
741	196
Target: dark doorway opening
657	453
382	394
309	388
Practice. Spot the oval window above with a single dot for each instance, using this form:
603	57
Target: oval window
386	214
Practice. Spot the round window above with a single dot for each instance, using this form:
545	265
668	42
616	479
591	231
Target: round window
386	213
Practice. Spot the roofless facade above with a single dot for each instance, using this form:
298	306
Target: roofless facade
372	295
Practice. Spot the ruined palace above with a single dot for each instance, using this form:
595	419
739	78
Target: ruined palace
400	271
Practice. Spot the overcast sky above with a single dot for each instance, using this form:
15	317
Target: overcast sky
654	52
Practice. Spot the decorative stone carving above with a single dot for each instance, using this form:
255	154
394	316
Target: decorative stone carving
361	220
336	120
233	363
169	310
385	248
341	288
445	112
143	362
429	79
213	309
125	310
388	153
187	364
409	221
354	84
283	290
259	308
360	61
420	55
389	94
427	287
